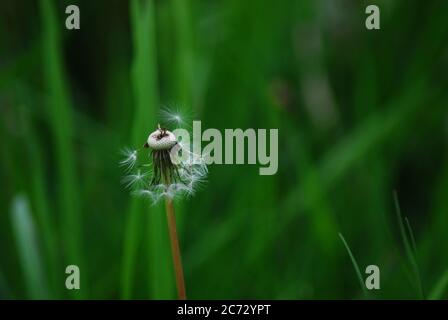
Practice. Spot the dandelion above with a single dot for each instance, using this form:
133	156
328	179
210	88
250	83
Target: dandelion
175	172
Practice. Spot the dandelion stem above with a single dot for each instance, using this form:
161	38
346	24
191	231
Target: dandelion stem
175	250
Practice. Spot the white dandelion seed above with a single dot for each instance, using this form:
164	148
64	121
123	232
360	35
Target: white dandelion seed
130	158
135	181
153	196
175	118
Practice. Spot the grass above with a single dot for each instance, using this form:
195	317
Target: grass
410	247
355	266
144	79
439	288
60	115
40	199
27	240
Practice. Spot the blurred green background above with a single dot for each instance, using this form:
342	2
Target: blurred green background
360	114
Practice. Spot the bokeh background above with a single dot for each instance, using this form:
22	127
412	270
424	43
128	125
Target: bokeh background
360	114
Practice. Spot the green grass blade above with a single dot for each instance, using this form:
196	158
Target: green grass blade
38	195
416	267
408	247
60	114
145	91
411	235
184	52
27	240
439	288
130	249
5	290
355	265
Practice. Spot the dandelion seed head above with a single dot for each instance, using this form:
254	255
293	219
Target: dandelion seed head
171	176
